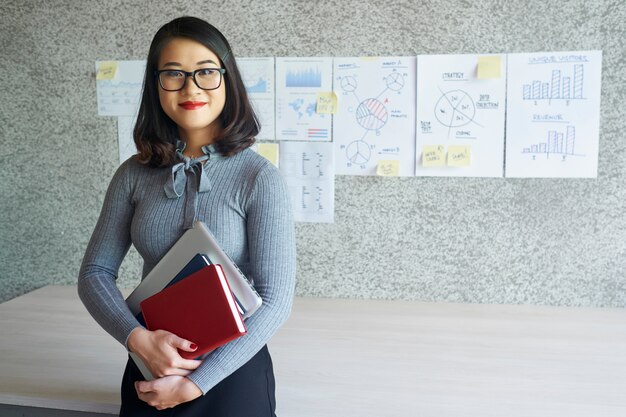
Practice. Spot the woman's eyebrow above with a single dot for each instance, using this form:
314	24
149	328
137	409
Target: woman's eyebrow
206	61
178	64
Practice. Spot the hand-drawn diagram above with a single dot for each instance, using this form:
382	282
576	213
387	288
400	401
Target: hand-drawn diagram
457	110
358	152
558	87
561	143
376	97
553	114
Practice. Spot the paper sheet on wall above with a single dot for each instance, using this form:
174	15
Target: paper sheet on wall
308	169
119	91
553	114
298	80
376	114
258	77
456	108
126	144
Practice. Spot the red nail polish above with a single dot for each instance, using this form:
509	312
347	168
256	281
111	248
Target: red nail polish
193	346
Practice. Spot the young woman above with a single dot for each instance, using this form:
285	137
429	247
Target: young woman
194	127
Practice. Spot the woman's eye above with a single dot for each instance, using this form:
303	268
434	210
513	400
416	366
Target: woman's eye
173	74
206	72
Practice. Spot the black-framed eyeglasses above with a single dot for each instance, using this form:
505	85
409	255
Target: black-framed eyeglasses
205	78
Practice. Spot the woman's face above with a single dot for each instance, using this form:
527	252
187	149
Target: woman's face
194	110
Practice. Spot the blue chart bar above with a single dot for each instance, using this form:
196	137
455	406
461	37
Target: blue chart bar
559	87
307	78
557	142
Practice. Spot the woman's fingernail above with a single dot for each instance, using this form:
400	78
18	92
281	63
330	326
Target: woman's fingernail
193	346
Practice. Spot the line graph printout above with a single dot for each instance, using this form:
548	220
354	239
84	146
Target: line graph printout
553	114
120	93
460	116
309	171
258	77
375	120
298	80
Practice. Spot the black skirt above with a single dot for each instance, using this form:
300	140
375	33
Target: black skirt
247	392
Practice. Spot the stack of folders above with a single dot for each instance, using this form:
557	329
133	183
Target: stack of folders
205	302
200	308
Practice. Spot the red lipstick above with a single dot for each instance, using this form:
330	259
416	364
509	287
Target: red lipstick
191	105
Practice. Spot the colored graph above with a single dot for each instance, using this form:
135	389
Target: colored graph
311	77
302	108
260	86
371	114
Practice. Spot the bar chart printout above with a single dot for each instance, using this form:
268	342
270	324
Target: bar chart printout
553	114
556	143
558	87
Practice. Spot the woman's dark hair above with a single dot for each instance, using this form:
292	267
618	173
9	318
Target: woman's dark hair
156	134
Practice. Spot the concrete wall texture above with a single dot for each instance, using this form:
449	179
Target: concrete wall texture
537	241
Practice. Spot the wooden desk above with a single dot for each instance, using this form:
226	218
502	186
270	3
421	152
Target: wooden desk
348	358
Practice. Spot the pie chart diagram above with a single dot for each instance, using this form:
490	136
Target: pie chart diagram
395	81
348	83
371	114
358	152
455	108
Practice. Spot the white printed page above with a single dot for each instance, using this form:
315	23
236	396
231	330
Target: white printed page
375	120
553	114
258	77
298	82
308	169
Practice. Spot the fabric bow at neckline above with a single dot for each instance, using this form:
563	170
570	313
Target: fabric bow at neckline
177	182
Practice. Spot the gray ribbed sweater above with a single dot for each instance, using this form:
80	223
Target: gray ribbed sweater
247	209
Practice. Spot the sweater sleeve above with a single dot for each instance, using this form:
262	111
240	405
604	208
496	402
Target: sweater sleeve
107	248
271	246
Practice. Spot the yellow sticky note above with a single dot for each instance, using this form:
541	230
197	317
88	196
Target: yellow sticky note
388	168
488	67
106	70
269	151
433	156
459	156
326	103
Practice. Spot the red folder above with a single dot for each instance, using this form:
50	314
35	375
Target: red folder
201	308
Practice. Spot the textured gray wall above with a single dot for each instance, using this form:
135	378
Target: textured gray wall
444	239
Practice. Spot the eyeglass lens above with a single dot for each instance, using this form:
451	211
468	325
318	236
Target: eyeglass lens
207	79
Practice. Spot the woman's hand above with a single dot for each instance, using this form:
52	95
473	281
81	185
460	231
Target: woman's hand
159	352
167	392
